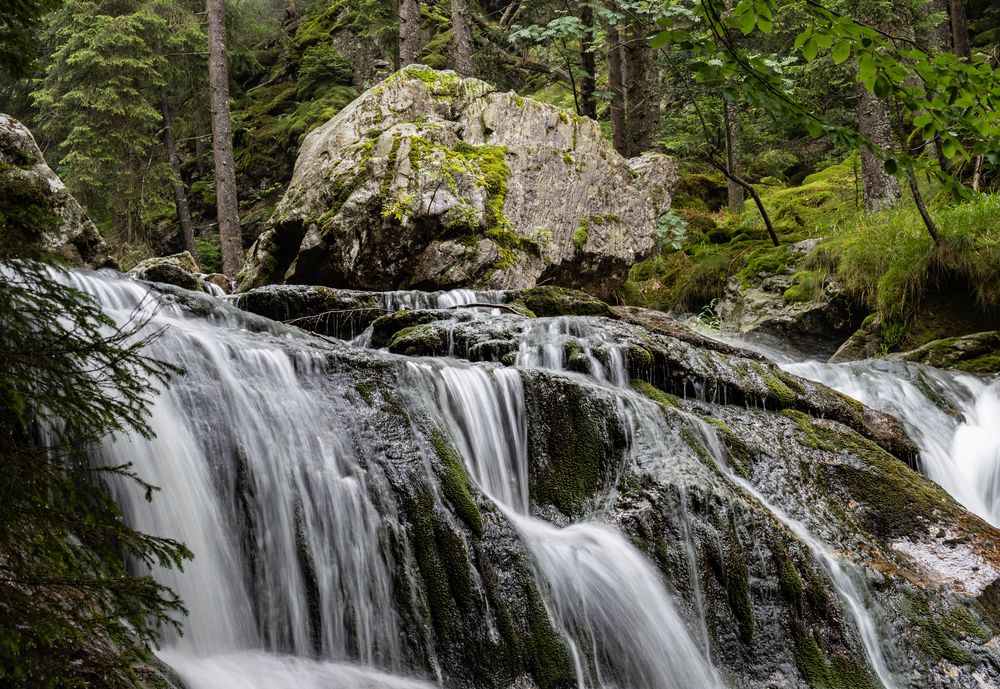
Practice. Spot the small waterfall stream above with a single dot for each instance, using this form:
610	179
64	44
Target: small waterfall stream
275	479
953	417
608	599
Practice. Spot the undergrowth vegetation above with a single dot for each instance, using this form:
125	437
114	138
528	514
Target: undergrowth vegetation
886	261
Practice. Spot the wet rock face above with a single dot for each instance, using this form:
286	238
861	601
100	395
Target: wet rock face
661	457
37	212
431	181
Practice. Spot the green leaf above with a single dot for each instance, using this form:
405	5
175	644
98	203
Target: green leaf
745	21
810	49
948	148
891	166
660	40
841	52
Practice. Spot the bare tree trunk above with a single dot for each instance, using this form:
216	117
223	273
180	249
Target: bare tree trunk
409	32
959	28
881	188
642	105
180	194
734	189
977	173
588	62
222	141
461	38
616	84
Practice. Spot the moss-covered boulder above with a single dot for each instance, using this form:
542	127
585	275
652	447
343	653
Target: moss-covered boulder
37	212
549	300
432	181
775	297
978	353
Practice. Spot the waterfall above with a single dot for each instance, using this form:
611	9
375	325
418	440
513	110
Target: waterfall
954	418
287	519
608	599
271	476
274	472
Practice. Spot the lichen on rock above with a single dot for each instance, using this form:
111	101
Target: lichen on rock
429	180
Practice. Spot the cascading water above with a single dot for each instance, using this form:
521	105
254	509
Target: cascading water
954	419
289	520
608	599
275	480
286	519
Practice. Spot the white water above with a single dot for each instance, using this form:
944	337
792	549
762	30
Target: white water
413	299
267	475
954	419
262	415
607	597
267	482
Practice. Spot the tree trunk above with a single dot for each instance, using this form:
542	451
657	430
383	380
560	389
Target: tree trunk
409	32
588	61
180	194
735	190
881	189
616	84
230	236
642	106
461	38
959	28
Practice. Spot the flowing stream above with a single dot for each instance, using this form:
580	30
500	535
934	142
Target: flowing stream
290	537
274	478
953	417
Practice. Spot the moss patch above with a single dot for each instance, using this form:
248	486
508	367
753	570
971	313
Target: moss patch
456	485
548	300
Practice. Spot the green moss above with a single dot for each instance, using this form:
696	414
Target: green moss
731	570
763	263
662	398
842	672
810	436
581	233
789	582
575	445
779	392
456	485
26	209
366	390
418	340
984	365
938	634
807	285
433	573
548	300
550	662
896	500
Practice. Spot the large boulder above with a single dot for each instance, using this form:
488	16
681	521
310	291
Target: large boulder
432	181
37	212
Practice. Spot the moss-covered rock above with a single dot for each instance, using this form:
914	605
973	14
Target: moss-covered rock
430	180
978	353
38	215
548	300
